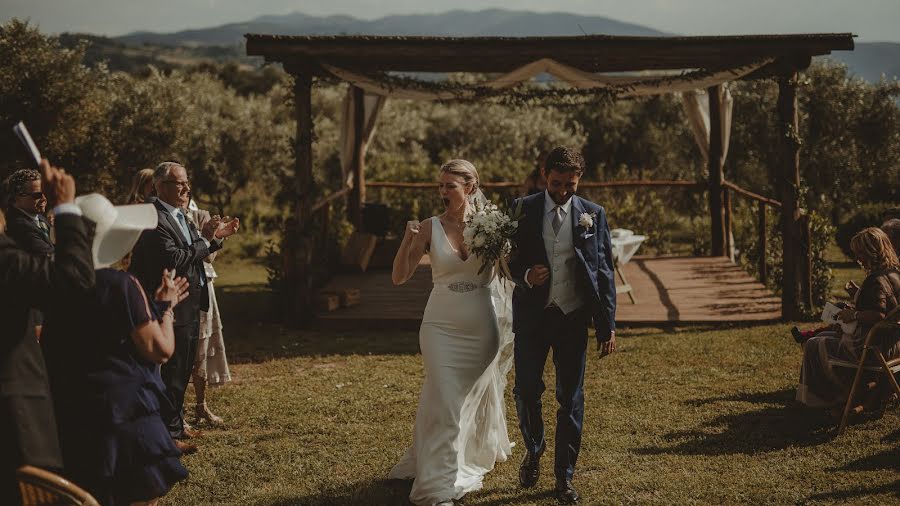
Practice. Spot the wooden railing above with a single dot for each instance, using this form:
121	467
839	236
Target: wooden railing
727	189
762	225
324	205
506	185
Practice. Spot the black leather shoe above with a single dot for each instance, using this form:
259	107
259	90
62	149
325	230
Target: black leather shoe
565	492
798	336
530	470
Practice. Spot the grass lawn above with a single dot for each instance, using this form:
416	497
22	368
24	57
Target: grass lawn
698	415
844	270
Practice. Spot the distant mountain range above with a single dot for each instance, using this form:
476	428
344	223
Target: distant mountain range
868	60
497	22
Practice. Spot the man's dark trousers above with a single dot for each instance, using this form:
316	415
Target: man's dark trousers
567	336
176	374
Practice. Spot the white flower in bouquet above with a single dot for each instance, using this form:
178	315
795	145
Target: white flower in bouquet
488	234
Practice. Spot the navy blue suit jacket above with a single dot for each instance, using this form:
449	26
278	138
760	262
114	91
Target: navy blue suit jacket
593	248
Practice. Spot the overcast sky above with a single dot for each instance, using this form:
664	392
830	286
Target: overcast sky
872	20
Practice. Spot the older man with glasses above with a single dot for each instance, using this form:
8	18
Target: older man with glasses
176	244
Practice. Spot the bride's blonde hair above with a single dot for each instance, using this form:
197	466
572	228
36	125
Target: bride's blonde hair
463	169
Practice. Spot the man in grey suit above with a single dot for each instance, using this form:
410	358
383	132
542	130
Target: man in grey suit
176	244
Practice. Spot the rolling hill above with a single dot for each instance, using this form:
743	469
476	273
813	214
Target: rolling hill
870	60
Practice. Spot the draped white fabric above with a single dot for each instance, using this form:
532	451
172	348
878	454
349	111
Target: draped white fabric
692	85
372	105
624	86
696	107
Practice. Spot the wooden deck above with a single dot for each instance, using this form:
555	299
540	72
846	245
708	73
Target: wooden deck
673	290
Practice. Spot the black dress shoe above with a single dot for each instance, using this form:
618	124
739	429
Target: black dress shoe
565	492
530	470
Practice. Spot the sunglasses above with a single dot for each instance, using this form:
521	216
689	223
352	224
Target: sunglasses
34	195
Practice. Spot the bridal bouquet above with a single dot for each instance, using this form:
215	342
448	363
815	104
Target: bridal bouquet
488	234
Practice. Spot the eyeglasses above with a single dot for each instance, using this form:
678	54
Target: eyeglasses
181	185
34	195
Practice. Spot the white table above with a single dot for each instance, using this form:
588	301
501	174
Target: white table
624	245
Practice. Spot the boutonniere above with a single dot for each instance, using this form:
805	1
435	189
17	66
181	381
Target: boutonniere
586	220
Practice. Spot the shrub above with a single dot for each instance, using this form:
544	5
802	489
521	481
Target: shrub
869	215
821	233
646	213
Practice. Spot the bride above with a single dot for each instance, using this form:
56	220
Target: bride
460	429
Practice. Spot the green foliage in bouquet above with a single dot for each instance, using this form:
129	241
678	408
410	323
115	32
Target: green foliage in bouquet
488	235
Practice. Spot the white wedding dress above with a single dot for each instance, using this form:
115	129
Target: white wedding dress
460	430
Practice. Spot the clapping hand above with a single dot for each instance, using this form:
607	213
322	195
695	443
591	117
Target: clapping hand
211	227
172	290
228	226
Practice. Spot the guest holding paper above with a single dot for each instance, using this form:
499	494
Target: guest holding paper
102	353
820	384
27	225
27	423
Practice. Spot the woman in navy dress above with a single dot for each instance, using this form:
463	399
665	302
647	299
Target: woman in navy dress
103	354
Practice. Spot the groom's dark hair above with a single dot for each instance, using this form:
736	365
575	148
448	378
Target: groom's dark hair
563	159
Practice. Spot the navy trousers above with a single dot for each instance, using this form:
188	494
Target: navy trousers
567	336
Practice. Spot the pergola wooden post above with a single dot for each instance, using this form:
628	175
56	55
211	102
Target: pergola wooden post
358	167
298	243
796	289
716	175
305	57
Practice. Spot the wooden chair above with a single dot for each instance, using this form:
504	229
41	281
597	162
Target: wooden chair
43	488
891	321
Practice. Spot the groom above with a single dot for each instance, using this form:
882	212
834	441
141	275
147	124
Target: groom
563	269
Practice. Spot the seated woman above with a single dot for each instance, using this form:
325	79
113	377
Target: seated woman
891	228
103	354
820	384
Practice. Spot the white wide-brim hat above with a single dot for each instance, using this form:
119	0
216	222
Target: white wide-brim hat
117	227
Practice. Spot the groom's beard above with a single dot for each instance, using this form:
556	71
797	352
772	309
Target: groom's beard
561	199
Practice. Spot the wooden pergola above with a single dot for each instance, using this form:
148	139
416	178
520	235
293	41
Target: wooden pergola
308	57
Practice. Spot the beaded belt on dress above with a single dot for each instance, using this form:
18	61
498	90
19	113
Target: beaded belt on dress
463	286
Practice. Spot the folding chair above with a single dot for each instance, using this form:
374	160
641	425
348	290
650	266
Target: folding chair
887	367
42	488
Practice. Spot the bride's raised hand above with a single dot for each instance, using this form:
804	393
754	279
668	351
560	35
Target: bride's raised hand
413	227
